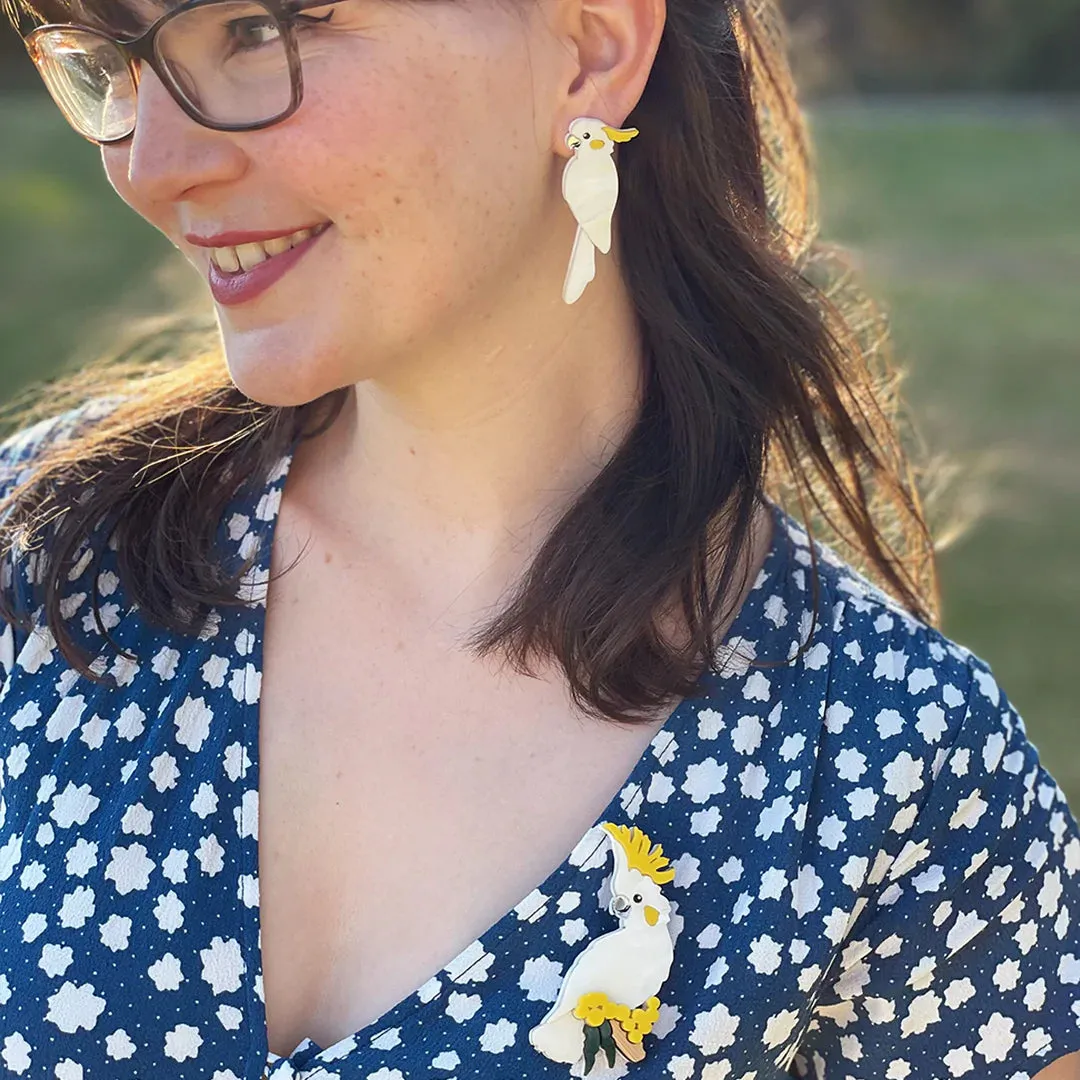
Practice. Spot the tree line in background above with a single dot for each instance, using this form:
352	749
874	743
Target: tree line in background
890	46
936	45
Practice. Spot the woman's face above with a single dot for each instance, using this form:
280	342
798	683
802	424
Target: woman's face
427	140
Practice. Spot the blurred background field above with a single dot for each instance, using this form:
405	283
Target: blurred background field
965	219
949	164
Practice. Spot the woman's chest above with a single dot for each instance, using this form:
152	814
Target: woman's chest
424	903
409	798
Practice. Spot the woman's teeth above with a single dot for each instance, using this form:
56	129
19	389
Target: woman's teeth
245	256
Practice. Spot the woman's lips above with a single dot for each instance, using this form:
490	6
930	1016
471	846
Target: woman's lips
232	289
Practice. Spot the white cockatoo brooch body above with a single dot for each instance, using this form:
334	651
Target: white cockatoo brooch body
590	186
608	998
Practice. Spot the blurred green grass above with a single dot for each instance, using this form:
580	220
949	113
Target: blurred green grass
966	223
71	248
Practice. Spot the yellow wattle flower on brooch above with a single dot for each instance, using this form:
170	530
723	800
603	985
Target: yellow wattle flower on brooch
597	1007
641	1020
592	1008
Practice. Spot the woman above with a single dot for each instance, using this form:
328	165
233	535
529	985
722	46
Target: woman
531	619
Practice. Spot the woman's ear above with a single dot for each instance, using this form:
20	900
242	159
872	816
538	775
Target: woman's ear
610	46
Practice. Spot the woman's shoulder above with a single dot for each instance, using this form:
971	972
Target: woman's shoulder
20	454
900	732
922	793
22	447
875	650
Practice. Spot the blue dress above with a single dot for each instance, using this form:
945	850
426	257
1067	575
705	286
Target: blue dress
874	876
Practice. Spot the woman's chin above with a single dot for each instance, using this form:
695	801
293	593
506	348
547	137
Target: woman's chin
279	381
282	369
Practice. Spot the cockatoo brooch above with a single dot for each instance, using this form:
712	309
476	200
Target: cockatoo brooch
607	1001
590	185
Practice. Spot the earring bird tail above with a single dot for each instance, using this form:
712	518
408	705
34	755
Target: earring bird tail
582	267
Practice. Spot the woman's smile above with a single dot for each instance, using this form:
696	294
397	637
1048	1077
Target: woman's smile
239	272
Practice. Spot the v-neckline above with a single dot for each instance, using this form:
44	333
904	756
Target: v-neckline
307	1052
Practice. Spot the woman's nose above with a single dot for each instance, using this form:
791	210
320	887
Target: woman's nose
171	153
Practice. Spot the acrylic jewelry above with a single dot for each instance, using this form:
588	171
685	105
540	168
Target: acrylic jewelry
608	998
590	185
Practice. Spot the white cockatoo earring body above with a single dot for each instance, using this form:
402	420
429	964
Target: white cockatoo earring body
590	186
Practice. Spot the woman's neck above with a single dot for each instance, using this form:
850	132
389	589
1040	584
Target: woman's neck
453	468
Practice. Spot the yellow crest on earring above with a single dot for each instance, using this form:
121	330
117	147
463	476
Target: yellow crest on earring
620	134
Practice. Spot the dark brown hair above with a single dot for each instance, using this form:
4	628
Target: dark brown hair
763	378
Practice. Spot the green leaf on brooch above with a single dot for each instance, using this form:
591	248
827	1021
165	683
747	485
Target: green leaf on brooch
607	1041
592	1045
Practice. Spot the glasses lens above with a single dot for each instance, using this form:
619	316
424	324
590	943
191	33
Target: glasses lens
89	79
229	61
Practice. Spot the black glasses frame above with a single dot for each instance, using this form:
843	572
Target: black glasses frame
142	49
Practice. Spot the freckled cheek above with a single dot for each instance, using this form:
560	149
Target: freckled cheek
373	176
411	199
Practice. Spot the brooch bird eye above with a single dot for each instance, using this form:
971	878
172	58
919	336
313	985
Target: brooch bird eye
637	898
585	136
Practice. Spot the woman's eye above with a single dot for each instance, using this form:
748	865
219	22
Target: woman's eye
253	32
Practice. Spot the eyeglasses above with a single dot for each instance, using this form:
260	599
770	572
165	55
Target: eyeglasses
231	65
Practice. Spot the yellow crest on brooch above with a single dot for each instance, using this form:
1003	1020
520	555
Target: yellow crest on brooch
641	854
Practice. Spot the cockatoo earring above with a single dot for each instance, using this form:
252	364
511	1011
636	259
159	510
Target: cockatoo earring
607	1000
590	185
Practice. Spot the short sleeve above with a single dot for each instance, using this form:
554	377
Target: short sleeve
965	959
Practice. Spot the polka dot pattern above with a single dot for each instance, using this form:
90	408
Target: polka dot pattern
875	877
